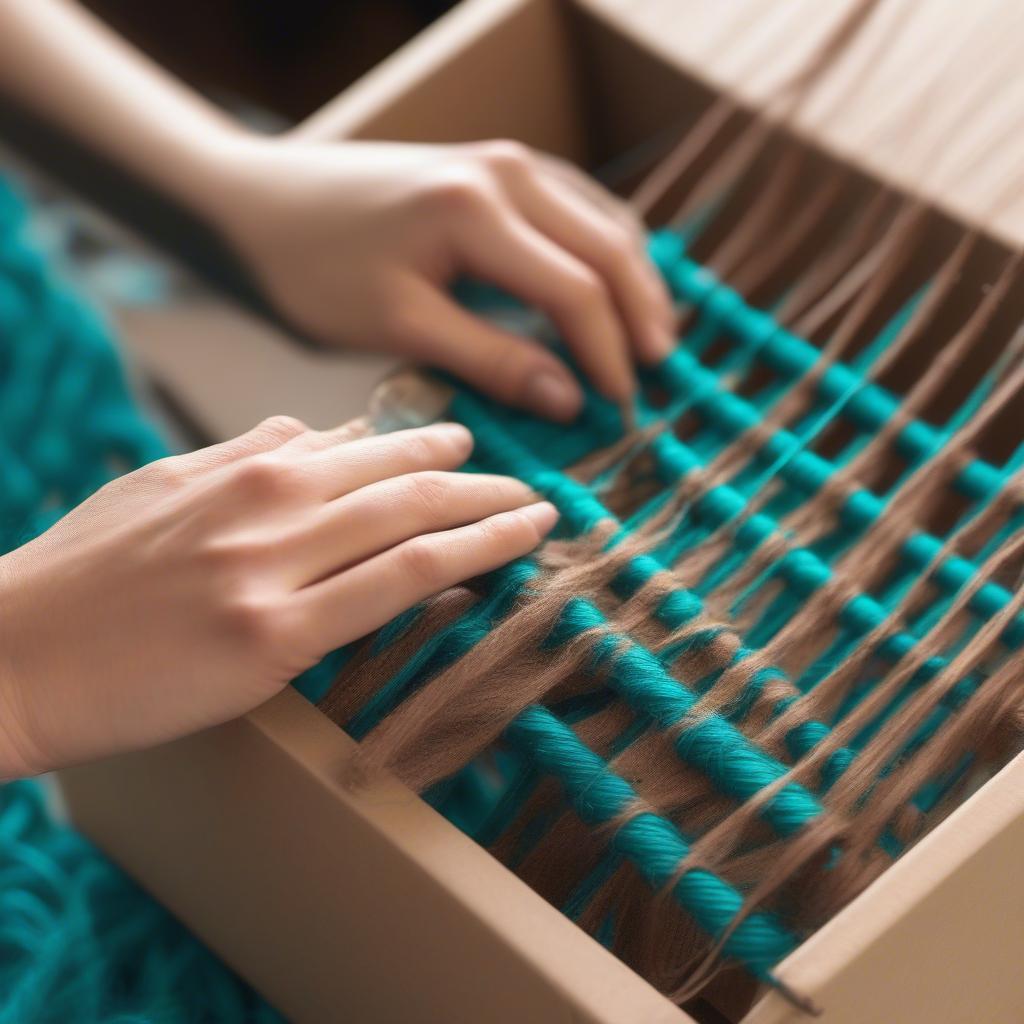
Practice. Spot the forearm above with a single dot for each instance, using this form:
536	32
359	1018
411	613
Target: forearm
66	67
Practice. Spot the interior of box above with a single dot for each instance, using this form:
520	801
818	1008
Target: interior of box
605	101
612	106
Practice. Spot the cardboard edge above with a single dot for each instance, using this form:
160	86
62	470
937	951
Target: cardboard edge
982	835
531	928
926	913
220	825
819	131
430	51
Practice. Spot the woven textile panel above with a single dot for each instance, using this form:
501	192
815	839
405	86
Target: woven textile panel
768	648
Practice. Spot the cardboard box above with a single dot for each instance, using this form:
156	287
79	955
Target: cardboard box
368	906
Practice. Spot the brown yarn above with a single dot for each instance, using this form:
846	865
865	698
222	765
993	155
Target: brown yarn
455	716
838	260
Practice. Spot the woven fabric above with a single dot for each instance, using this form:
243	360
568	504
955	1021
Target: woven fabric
79	942
720	598
773	521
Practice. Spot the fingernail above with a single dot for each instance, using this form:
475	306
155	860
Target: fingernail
552	395
456	433
543	515
659	343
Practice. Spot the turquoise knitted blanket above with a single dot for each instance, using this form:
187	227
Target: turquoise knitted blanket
79	942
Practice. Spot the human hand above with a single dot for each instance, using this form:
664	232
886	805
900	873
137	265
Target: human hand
356	243
190	591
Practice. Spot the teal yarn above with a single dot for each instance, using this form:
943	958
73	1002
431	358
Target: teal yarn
80	943
649	841
723	400
710	744
648	688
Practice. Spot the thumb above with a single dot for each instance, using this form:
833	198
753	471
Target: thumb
515	370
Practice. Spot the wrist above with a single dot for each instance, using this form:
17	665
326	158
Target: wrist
19	754
210	175
228	186
247	177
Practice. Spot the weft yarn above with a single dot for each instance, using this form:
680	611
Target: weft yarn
750	670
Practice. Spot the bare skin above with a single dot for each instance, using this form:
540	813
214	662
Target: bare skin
356	241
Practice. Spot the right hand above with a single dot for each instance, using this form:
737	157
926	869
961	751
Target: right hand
194	589
357	243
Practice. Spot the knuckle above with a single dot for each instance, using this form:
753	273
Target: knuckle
585	290
282	427
458	194
422	562
622	249
420	449
506	532
410	451
266	477
252	620
492	490
170	473
429	493
506	155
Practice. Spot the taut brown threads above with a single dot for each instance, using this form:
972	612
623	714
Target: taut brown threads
810	630
367	668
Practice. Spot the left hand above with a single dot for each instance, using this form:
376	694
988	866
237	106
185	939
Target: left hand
192	590
356	243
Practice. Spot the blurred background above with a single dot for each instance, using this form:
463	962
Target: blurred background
209	368
281	59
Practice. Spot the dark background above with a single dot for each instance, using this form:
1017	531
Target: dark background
284	56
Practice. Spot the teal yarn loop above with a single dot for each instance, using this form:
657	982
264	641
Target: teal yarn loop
709	743
79	942
737	777
705	401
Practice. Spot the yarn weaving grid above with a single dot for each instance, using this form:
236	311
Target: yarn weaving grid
739	654
663	714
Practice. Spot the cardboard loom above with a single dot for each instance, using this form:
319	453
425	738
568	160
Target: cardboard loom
369	906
